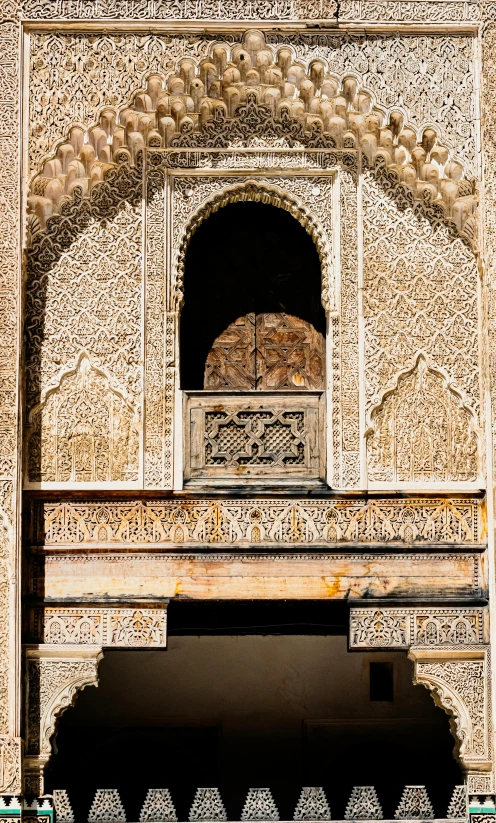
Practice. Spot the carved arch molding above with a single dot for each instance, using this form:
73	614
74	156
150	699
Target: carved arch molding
451	657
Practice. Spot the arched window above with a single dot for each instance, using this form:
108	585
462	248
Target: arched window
252	316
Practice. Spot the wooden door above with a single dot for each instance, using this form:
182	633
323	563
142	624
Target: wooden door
267	351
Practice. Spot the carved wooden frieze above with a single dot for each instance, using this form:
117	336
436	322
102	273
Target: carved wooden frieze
400	628
182	523
137	627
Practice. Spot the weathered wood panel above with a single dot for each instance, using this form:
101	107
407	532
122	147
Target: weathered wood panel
100	577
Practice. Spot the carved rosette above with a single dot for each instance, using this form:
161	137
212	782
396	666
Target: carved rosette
53	679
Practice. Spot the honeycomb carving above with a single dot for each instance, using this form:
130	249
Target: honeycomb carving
205	103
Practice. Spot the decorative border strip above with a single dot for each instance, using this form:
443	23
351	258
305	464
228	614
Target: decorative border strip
115	627
237	11
273	522
393	628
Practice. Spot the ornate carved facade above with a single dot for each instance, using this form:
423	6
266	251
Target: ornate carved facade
340	443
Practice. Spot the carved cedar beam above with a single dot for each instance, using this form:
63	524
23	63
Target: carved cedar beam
236	575
401	628
173	523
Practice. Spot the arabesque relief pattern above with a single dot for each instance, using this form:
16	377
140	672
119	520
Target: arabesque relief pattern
83	342
243	522
54	676
10	742
83	431
422	431
489	161
421	298
429	76
459	679
400	628
309	106
130	628
184	9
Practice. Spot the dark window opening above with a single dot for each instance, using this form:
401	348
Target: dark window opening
381	682
252	316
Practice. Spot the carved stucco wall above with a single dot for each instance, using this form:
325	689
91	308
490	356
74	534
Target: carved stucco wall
420	276
10	744
83	334
421	310
430	76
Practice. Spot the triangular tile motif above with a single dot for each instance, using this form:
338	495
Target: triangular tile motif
363	804
312	804
62	805
107	807
414	804
207	805
158	806
259	805
457	808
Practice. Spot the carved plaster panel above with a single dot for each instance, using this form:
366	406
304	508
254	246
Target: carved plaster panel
10	764
232	10
422	431
83	330
489	155
409	11
10	290
227	522
399	628
421	291
54	676
460	682
421	341
84	431
136	627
